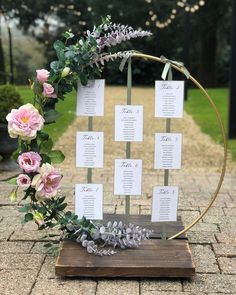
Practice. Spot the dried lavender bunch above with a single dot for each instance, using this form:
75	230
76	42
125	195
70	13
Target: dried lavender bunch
110	34
117	34
117	235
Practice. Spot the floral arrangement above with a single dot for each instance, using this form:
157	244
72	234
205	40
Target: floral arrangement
80	60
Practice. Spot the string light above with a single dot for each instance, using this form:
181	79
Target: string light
189	8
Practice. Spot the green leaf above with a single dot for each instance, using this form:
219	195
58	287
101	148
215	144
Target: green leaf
56	156
62	207
28	217
12	180
46	146
46	159
68	35
57	66
25	208
61	200
47	245
43	136
51	116
58	45
83	79
34	146
42	210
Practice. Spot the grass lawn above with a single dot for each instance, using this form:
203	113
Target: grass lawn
200	109
66	108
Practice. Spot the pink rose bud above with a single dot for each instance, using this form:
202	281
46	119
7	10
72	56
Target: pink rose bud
24	122
29	162
13	196
23	180
48	90
42	75
38	218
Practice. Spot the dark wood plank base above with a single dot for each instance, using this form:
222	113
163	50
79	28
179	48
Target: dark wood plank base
154	258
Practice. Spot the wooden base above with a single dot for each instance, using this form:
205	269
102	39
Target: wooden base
154	258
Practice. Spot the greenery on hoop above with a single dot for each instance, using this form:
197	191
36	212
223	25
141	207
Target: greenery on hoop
82	60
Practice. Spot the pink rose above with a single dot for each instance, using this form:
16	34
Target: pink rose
29	161
24	122
23	180
47	181
42	75
48	90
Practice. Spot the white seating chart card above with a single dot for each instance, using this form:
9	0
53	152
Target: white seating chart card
168	148
90	98
128	123
89	149
89	201
169	97
128	177
164	203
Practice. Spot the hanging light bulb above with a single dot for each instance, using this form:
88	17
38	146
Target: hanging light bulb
147	23
202	3
180	4
187	8
77	13
154	17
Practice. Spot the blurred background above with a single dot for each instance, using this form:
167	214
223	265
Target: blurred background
195	32
200	33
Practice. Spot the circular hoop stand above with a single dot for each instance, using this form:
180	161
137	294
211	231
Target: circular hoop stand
156	257
223	134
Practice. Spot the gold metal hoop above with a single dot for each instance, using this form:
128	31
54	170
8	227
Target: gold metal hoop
219	120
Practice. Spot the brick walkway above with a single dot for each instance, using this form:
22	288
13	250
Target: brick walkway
25	269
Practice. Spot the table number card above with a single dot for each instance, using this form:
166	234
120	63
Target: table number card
128	177
168	148
89	201
164	203
89	149
90	98
128	123
169	97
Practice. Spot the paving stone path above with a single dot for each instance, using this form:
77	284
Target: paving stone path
25	269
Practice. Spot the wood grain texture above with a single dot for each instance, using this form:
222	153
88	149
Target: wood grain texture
154	258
